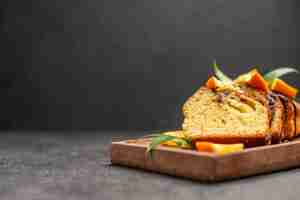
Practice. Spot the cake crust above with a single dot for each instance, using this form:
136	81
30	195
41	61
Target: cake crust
297	118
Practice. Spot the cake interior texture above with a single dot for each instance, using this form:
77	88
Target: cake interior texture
226	115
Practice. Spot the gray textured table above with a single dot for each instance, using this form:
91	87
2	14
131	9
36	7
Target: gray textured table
71	166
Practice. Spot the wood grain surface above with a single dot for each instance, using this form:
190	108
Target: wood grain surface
207	166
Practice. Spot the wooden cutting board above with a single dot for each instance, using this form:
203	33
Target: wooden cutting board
206	166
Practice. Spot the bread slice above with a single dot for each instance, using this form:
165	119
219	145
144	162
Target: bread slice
277	116
246	115
297	118
228	117
289	128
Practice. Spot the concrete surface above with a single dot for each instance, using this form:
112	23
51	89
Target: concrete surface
73	166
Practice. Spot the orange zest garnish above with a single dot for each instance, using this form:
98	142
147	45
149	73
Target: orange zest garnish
212	83
256	80
218	148
282	87
204	146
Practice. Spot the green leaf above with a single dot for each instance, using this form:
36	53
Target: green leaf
157	141
179	142
161	138
272	75
219	74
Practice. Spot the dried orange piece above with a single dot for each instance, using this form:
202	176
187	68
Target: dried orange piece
212	83
219	148
256	80
204	146
282	87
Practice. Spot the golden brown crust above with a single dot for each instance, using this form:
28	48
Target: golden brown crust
297	118
288	131
277	115
291	129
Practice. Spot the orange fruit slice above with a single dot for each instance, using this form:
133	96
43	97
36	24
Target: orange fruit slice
219	148
212	83
256	80
282	87
204	146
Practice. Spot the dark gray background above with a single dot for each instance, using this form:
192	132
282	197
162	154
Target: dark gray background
113	64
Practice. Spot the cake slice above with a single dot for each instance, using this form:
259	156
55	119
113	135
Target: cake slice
277	117
297	118
247	115
289	127
252	109
229	116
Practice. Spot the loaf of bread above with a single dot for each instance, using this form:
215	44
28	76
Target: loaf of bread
245	115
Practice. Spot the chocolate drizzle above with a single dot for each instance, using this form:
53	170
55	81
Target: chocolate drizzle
271	98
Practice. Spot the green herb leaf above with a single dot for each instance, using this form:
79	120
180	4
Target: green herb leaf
157	141
219	74
272	75
161	138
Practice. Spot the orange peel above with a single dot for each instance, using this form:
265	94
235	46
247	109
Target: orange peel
212	83
203	146
284	88
256	80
